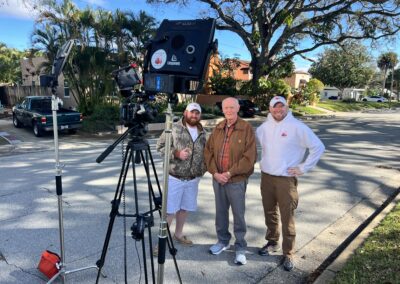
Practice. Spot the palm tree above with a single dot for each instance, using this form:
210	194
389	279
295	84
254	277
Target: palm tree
47	41
386	61
393	64
107	40
396	77
139	30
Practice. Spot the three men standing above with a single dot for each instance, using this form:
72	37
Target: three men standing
230	154
284	141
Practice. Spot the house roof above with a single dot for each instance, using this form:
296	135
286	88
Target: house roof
301	72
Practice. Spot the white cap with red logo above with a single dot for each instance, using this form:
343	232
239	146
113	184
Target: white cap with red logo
193	106
277	99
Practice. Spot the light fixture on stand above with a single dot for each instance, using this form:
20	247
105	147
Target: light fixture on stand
52	81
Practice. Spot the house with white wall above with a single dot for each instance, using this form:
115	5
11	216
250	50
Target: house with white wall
353	94
329	92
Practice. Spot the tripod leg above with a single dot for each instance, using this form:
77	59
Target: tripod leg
169	241
114	208
151	198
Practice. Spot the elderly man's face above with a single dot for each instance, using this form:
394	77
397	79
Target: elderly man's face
278	111
192	117
230	108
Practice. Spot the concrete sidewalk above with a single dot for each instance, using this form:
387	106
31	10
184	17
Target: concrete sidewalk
344	189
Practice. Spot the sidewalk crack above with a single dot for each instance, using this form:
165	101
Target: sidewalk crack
3	258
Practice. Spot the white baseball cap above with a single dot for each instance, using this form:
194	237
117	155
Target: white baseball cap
193	106
277	99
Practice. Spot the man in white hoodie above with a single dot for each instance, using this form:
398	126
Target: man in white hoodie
284	141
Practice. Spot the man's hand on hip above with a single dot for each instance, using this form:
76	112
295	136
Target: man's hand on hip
294	171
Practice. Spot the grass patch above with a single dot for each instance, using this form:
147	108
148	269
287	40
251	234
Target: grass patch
305	110
378	259
354	106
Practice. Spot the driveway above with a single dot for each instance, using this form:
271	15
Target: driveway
359	170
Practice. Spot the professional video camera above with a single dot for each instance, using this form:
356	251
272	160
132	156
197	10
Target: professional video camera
135	109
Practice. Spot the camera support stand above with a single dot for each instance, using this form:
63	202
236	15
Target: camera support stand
62	272
141	148
162	235
58	66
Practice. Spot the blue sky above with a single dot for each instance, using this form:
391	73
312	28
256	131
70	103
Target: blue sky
19	19
16	24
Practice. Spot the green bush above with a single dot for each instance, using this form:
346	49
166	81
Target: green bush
223	85
349	100
104	118
180	107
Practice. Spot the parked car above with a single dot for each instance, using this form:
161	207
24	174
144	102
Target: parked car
247	108
36	112
378	99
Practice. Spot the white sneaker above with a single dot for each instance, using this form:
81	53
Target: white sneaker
240	258
218	248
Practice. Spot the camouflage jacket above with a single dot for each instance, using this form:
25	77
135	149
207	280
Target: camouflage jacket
193	166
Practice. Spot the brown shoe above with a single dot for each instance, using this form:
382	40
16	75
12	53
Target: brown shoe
183	241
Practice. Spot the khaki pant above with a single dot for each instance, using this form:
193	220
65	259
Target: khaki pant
280	192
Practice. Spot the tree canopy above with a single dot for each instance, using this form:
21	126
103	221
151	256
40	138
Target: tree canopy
276	31
10	66
107	41
343	67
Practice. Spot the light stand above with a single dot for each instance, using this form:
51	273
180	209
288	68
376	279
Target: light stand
162	234
58	66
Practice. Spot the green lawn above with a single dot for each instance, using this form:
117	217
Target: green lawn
378	259
354	106
302	110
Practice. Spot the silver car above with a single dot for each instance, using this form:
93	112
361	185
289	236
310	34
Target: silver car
377	99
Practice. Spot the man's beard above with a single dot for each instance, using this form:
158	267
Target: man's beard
191	122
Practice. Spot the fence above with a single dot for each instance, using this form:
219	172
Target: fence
11	95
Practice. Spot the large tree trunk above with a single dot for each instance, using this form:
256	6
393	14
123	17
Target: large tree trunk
256	75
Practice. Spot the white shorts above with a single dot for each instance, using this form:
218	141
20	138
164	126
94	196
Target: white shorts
182	194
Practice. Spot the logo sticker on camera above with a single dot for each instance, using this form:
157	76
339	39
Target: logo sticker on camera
158	59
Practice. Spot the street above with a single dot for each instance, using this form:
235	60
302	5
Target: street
359	170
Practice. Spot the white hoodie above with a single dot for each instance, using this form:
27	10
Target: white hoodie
284	144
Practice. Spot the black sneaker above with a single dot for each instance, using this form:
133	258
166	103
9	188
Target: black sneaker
288	264
271	246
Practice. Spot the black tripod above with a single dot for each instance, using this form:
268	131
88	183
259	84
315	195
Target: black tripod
137	151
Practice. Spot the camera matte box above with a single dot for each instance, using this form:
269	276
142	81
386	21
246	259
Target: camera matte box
182	47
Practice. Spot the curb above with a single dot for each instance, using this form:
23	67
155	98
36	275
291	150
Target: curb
349	246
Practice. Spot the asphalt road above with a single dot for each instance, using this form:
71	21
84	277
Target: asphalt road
359	170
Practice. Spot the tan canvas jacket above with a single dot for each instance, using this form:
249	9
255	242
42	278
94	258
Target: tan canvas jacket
242	151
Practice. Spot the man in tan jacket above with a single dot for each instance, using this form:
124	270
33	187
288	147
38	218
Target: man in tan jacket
230	154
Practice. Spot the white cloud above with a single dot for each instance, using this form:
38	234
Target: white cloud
18	9
96	2
100	3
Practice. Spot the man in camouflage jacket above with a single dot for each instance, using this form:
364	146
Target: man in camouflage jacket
186	167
